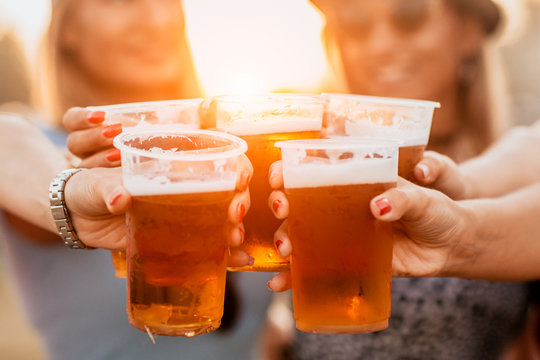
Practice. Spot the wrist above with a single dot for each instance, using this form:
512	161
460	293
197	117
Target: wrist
462	249
59	210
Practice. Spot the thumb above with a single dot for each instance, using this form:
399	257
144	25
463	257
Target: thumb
408	203
97	192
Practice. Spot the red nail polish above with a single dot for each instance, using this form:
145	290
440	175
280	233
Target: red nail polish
113	155
268	285
96	117
276	204
384	206
240	210
111	130
114	198
279	243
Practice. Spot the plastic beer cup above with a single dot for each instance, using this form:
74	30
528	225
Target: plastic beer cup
181	182
341	261
262	120
183	112
407	120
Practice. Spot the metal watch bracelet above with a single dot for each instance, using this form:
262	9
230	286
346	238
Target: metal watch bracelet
60	212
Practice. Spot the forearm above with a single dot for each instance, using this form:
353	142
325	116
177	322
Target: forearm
504	242
510	164
29	162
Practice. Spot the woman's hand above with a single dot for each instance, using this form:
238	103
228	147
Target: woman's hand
89	139
441	173
428	227
97	203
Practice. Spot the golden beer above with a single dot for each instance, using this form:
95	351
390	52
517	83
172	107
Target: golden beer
182	182
259	222
341	261
177	262
262	121
409	156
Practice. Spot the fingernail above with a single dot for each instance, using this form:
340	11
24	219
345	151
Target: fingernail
424	170
113	155
278	243
244	180
384	206
111	130
275	205
96	117
242	234
114	198
268	284
251	261
240	210
271	174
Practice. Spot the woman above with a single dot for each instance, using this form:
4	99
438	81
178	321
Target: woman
102	52
426	49
422	49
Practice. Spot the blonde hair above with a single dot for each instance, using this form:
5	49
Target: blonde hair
60	83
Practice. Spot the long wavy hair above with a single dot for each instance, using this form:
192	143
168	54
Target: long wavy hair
60	80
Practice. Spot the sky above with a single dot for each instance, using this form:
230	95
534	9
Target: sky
263	45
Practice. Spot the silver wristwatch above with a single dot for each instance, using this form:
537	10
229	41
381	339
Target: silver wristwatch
60	212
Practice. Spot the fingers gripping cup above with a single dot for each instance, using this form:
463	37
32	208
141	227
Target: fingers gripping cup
404	119
341	261
182	182
184	112
261	121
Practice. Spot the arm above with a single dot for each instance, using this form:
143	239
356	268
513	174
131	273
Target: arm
506	239
510	164
29	162
96	199
490	239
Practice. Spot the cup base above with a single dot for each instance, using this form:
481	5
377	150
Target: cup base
342	329
175	330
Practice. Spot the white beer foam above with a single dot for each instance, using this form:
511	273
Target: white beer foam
272	124
353	172
139	185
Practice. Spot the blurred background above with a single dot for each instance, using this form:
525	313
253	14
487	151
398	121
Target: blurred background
263	45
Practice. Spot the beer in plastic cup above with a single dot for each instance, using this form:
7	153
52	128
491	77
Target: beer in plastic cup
261	120
181	182
341	261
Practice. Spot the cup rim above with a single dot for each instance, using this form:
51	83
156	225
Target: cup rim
300	99
380	100
143	105
236	147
